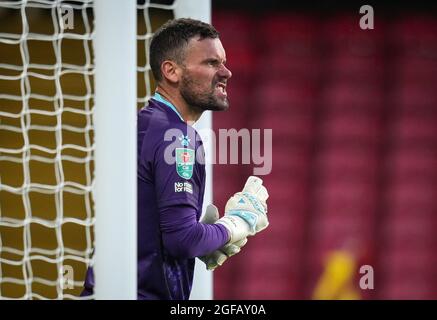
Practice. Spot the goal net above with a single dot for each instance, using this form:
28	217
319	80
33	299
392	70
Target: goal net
47	143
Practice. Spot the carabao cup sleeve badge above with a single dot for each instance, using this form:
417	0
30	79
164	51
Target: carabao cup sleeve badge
184	162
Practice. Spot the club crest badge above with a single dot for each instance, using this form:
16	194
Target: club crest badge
184	162
185	140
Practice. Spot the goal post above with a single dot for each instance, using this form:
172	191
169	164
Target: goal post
115	192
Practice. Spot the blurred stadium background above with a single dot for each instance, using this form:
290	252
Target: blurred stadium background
354	118
354	179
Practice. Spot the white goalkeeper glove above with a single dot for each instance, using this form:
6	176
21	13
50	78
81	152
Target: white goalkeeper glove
246	211
218	257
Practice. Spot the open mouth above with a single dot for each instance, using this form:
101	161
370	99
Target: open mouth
222	87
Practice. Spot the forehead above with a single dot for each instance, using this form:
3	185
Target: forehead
204	49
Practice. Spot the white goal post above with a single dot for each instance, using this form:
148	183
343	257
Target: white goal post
115	191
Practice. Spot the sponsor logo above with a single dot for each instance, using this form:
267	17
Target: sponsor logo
183	187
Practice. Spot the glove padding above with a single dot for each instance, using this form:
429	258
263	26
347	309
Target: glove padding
218	257
246	211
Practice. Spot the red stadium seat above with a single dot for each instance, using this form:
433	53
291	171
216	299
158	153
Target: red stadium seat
409	98
356	163
412	130
416	70
351	97
233	26
356	127
344	66
289	163
407	288
404	192
283	66
413	164
345	35
414	36
286	125
276	95
292	34
409	263
409	232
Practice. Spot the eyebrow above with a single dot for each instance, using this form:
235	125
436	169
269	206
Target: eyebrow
214	59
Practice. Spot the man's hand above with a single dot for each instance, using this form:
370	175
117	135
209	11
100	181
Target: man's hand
246	211
245	215
218	257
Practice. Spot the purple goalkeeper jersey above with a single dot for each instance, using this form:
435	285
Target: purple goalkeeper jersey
171	185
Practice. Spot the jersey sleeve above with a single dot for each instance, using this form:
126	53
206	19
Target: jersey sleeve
184	237
178	179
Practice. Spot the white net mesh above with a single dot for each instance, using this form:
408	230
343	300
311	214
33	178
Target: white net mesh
150	16
46	147
46	141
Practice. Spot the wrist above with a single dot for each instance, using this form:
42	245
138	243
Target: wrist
237	228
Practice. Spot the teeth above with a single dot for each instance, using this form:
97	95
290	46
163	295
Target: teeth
222	88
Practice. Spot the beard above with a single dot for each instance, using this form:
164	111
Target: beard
201	99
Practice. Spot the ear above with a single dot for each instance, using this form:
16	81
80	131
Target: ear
170	71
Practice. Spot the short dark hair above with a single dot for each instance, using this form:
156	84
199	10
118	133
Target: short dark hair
170	40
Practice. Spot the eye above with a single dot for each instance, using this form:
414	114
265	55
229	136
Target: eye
213	62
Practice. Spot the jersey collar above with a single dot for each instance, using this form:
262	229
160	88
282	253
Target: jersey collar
161	99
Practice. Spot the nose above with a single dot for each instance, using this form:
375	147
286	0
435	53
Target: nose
225	72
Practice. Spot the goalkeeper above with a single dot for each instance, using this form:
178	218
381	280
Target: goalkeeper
188	63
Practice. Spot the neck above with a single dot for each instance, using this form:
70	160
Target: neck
189	114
